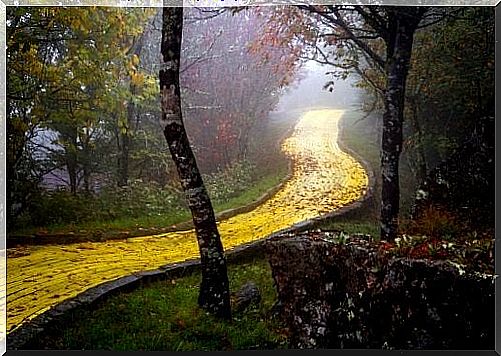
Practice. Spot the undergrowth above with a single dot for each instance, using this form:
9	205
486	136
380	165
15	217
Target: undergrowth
146	205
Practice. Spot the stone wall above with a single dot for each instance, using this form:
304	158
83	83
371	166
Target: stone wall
351	294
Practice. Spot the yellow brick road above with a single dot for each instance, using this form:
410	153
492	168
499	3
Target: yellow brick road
324	179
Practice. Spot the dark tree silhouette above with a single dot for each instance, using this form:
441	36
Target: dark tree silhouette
401	26
396	27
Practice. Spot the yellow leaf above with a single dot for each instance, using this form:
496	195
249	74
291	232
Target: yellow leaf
137	79
135	60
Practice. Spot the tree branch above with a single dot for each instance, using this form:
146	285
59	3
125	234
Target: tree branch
336	19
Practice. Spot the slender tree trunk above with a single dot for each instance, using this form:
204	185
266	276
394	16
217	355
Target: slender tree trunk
86	160
123	160
244	140
15	146
86	177
399	55
71	160
422	167
86	174
214	289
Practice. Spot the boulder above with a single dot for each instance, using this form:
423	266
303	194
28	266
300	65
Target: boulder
246	296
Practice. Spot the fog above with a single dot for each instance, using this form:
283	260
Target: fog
307	91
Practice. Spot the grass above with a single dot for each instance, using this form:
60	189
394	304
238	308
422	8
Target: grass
255	192
164	316
122	223
362	136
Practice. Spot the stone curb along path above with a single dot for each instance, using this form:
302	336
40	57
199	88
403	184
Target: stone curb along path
16	241
30	328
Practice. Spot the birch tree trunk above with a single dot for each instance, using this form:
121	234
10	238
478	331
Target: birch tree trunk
214	289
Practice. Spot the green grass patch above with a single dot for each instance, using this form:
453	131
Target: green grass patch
164	316
362	136
253	193
353	228
123	223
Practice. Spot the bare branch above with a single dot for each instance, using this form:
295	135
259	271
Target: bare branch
368	113
434	17
369	80
213	13
201	57
374	20
373	37
334	17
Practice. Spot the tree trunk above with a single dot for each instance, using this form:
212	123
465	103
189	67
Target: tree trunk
71	159
86	159
86	178
123	161
399	55
422	167
214	290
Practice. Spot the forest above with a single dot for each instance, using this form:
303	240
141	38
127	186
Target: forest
258	177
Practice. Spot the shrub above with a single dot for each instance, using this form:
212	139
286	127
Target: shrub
61	207
435	221
138	199
228	183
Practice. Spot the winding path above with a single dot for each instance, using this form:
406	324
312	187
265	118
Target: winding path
324	179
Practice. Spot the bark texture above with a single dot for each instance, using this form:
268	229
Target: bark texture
403	23
214	290
420	154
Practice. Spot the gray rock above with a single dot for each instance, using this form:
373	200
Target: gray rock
246	296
